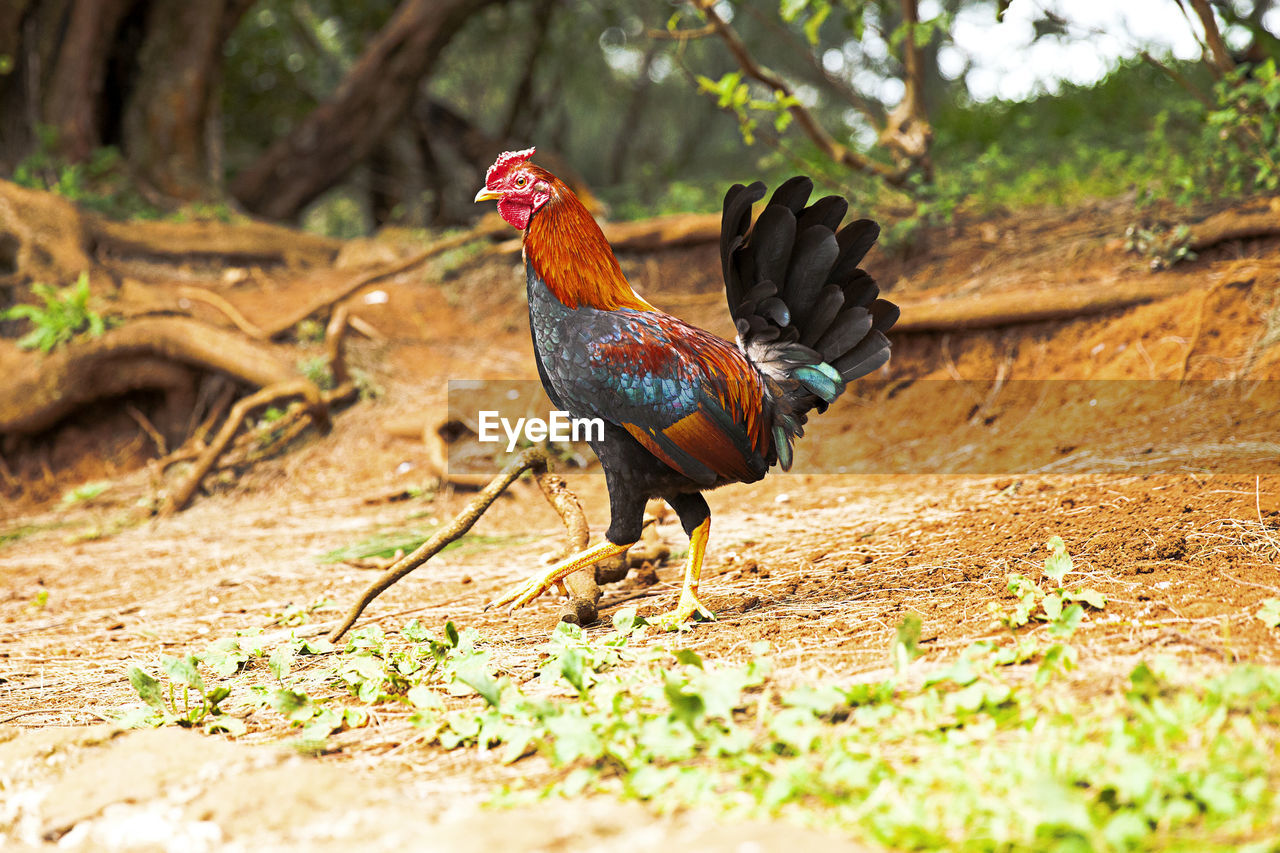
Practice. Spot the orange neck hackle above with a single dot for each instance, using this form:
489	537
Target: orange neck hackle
569	252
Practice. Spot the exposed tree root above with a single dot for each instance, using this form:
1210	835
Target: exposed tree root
584	594
149	353
1005	309
314	409
1259	219
44	237
250	242
181	496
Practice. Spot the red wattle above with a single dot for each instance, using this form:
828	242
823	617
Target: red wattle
515	213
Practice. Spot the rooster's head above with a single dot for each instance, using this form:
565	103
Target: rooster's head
520	187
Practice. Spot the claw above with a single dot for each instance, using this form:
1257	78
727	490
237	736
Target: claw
674	620
521	594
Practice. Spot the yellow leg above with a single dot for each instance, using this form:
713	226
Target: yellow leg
521	594
689	604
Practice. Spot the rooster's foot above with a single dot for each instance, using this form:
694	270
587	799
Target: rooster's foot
521	594
674	620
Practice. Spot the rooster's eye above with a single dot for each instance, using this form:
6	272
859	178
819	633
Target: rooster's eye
521	181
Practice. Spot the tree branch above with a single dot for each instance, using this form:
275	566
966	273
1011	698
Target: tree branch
837	151
1219	58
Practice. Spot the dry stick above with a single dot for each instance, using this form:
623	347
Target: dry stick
584	592
334	334
149	428
561	499
314	408
1257	505
237	319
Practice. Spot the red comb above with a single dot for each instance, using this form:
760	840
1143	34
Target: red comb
505	161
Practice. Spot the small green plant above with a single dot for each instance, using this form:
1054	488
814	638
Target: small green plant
83	493
294	615
971	757
182	699
1163	246
1269	612
1060	607
101	182
65	314
382	546
317	371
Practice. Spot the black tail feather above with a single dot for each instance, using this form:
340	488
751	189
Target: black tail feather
734	223
823	315
770	243
827	212
850	327
812	255
807	316
855	240
792	194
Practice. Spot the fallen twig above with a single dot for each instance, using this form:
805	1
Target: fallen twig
584	596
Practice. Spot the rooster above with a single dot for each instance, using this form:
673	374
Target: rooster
684	410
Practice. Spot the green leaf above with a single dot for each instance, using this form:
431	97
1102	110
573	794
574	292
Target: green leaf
147	688
789	9
225	657
1144	683
415	633
686	707
906	641
815	22
1058	562
281	662
1089	596
451	633
183	671
325	723
573	737
688	657
625	621
571	668
422	696
1066	624
820	699
478	678
233	726
796	728
295	705
1269	612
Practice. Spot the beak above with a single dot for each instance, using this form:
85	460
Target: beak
486	194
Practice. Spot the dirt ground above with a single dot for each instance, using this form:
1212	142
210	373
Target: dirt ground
1170	506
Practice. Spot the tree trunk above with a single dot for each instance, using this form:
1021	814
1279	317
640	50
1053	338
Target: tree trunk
72	103
169	112
344	130
29	37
